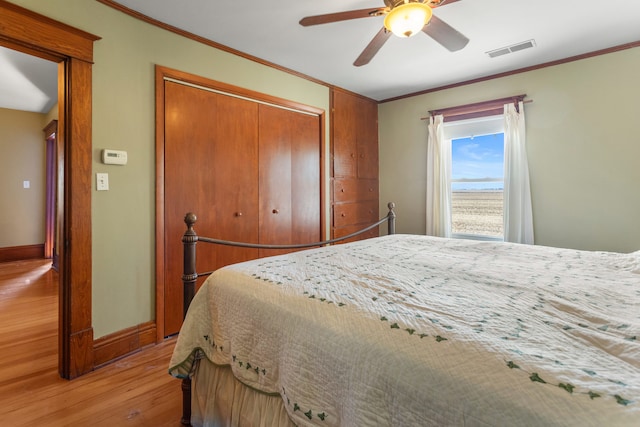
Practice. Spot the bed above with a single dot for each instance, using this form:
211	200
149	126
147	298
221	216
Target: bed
407	330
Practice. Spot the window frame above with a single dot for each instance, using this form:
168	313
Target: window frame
476	110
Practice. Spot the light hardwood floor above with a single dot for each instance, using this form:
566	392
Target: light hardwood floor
133	391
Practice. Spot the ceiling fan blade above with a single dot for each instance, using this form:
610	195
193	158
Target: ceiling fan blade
373	47
341	16
445	34
437	3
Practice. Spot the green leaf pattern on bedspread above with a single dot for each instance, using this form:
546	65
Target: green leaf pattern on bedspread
396	298
322	416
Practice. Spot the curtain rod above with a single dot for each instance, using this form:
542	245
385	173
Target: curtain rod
477	109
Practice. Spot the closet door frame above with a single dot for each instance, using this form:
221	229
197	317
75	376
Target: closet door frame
163	74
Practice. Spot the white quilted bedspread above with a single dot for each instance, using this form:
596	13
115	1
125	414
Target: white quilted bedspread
412	330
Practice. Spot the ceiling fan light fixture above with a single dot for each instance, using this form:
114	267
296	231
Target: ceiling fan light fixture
407	19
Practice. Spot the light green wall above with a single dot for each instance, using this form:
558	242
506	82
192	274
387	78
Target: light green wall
22	158
574	204
123	218
583	142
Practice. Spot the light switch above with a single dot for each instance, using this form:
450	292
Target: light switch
26	184
102	181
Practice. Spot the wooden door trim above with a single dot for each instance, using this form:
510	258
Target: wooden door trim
163	73
160	107
38	35
224	88
46	35
51	165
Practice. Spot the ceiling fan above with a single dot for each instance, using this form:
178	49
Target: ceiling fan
403	18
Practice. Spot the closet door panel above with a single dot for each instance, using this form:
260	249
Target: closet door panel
305	186
184	134
211	170
289	177
345	149
234	202
367	140
275	177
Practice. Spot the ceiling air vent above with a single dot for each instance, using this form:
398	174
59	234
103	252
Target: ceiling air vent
510	49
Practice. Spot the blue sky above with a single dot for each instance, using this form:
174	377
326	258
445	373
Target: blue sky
476	158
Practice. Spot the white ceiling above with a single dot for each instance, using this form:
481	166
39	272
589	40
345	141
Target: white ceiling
270	31
27	83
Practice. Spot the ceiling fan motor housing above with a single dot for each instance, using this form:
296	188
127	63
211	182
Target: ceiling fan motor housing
394	3
406	17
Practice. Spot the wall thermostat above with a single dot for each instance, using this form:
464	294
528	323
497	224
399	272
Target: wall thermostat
114	157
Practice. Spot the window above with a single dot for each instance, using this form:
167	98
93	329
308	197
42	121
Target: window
477	177
479	119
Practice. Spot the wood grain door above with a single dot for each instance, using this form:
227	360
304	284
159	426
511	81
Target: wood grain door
289	193
355	190
211	169
345	135
367	139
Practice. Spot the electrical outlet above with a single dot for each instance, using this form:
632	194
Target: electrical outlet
102	181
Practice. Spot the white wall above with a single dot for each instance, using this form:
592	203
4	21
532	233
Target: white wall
583	141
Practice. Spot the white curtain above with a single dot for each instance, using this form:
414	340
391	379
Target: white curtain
438	180
518	216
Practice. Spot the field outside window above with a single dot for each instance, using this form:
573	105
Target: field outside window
477	186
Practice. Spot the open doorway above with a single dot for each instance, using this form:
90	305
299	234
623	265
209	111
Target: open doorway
28	104
28	160
72	50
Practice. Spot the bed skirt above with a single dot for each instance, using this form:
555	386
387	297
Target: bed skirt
220	400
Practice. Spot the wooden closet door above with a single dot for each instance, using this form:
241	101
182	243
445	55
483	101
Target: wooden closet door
289	152
211	169
355	190
367	140
345	135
